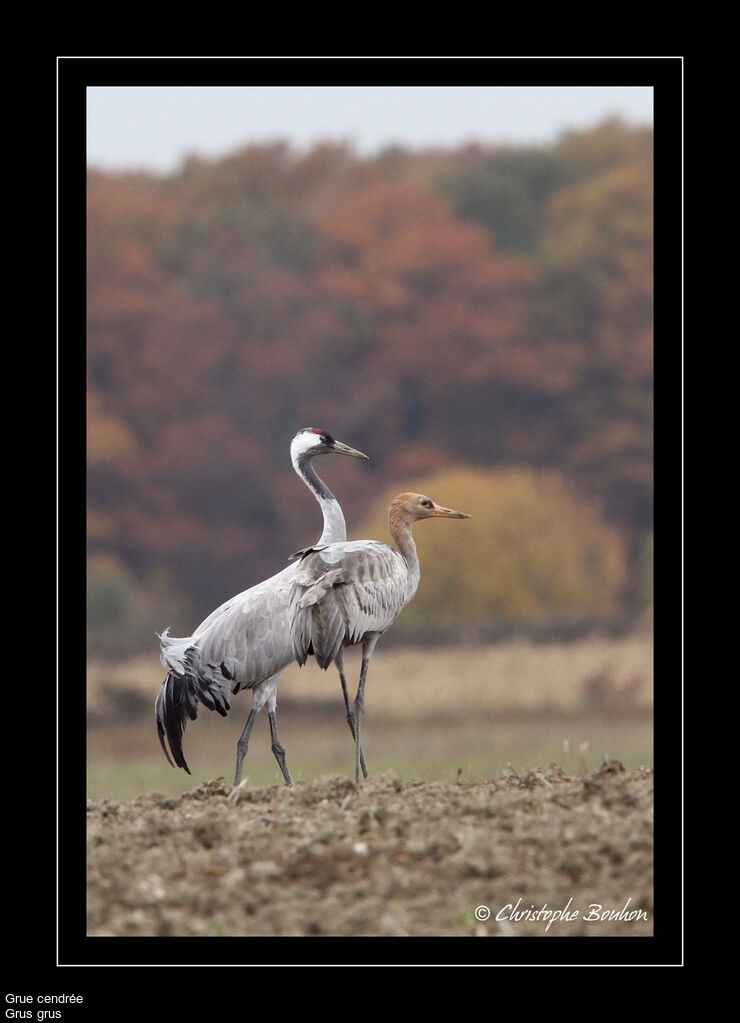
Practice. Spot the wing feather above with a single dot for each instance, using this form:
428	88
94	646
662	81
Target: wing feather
345	592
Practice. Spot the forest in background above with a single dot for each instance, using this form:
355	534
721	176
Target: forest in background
478	321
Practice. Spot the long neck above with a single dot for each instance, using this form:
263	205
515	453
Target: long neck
400	527
335	528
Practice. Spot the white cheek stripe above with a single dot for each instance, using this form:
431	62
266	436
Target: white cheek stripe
303	442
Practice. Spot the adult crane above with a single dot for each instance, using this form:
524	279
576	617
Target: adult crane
348	593
246	643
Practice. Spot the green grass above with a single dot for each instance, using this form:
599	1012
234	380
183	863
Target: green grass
415	751
511	706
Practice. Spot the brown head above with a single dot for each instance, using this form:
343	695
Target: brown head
409	507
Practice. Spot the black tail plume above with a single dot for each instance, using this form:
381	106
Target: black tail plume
177	701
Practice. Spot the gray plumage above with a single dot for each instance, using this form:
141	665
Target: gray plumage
349	593
345	592
246	642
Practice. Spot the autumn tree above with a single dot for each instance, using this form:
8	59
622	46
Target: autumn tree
506	190
534	554
490	308
424	312
593	303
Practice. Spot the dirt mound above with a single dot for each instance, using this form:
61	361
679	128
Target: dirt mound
396	858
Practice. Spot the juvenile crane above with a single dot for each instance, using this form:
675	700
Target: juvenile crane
348	593
246	642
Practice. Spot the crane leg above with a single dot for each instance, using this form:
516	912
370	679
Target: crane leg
243	745
339	661
367	651
279	750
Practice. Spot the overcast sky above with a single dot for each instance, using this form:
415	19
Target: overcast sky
153	128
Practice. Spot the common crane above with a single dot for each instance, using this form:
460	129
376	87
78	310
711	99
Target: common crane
246	643
348	593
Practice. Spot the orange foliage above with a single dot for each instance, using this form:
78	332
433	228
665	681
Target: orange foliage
533	551
240	299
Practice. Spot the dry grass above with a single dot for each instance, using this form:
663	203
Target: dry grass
429	714
409	683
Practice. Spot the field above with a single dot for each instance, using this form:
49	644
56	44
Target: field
516	776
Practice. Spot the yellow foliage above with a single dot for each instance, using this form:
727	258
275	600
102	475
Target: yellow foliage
533	551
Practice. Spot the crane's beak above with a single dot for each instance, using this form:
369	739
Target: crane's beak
448	513
344	449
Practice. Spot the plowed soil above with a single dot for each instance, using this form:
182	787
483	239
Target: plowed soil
538	854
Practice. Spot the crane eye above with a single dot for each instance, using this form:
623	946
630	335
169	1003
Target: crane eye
426	502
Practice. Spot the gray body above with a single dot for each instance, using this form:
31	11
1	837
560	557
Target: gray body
347	593
246	642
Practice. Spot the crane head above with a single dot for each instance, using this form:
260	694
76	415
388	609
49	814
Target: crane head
412	507
310	442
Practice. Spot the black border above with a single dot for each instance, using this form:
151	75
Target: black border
83	960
